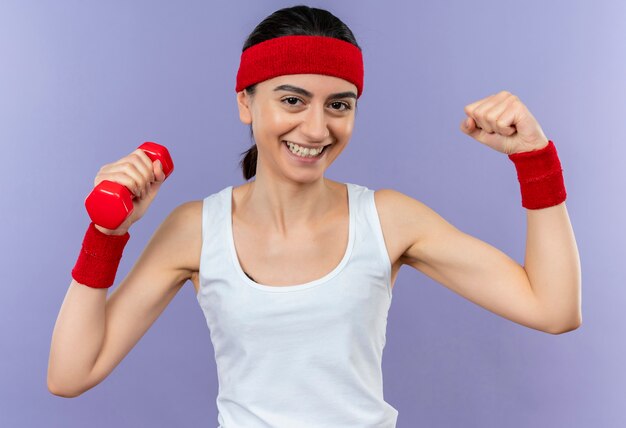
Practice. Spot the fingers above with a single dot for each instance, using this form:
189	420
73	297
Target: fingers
502	117
145	168
487	113
126	174
135	172
158	170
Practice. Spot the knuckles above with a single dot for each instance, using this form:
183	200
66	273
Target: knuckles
492	117
501	124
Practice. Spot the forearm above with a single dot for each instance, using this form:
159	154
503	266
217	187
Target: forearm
552	264
77	339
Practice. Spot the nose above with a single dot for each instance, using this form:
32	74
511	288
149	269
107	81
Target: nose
314	125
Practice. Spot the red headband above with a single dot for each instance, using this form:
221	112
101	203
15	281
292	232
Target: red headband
301	55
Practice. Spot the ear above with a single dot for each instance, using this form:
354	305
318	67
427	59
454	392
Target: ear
243	101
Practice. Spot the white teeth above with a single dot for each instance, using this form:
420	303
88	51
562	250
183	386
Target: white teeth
303	151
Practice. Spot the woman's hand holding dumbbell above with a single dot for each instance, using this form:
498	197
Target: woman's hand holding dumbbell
124	189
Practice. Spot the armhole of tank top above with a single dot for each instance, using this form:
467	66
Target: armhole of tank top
202	249
378	231
205	207
204	222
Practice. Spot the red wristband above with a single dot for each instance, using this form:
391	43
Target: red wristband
99	258
540	176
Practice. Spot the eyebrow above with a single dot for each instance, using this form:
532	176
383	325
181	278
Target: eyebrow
304	92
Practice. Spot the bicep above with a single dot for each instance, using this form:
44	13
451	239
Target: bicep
163	267
470	267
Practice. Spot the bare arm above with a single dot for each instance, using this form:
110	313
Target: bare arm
553	265
93	334
544	296
76	339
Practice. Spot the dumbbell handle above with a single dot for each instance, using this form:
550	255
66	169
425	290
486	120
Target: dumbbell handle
110	203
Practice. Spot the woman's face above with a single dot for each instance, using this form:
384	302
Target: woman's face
304	109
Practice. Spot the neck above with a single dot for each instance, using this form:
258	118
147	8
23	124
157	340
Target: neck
286	206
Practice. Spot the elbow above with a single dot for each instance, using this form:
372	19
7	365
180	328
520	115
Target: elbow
59	391
63	393
566	328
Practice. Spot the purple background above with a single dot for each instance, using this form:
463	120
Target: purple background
83	83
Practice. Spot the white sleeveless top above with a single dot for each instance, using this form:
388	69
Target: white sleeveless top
304	355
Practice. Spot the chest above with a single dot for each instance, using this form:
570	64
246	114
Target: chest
304	256
308	254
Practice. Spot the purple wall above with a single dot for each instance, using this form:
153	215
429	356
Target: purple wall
83	83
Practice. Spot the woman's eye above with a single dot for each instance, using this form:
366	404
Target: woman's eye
291	98
335	103
346	105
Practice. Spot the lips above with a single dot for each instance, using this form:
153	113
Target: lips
304	145
307	159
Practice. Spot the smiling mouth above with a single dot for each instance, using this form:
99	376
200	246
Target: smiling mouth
298	152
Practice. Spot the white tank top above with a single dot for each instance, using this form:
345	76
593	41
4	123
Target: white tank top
305	355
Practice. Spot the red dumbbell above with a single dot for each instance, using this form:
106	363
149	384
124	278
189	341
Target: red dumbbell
110	203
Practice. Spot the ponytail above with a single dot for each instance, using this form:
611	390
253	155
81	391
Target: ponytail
248	164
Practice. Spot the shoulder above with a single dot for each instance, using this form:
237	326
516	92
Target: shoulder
397	204
182	231
403	208
190	210
405	218
184	220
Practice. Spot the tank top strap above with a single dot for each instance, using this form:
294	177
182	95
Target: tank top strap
214	254
369	241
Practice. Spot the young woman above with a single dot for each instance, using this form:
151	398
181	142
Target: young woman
294	271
